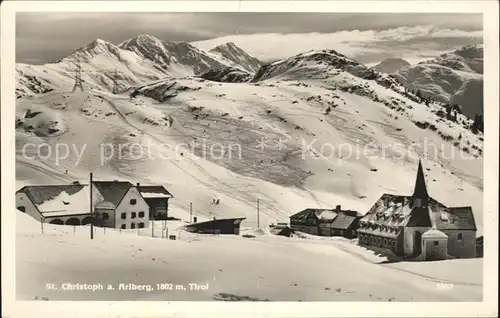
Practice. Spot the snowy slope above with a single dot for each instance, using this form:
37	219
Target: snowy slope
390	65
233	53
454	77
310	129
317	270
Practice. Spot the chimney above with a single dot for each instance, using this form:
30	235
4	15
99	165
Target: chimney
195	219
138	184
337	208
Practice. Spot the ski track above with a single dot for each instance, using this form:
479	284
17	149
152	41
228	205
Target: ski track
244	196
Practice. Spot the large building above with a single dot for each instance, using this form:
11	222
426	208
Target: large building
326	222
119	205
56	204
419	226
116	204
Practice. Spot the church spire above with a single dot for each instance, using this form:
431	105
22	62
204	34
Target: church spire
420	191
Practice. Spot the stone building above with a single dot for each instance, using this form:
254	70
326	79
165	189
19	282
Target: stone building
398	223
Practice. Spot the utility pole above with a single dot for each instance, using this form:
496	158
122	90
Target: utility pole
78	78
91	211
41	224
258	214
153	227
190	212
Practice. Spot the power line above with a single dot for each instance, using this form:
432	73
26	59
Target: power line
78	78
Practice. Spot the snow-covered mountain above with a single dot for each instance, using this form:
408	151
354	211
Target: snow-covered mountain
294	136
390	65
132	63
227	75
233	53
454	77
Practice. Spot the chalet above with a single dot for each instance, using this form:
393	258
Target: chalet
119	205
309	221
345	225
419	226
216	226
156	197
326	222
56	204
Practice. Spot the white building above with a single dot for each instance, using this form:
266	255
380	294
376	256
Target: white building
116	204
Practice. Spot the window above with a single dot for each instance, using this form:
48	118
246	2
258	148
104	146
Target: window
133	215
105	216
141	225
124	216
436	243
133	201
124	226
341	232
132	225
460	236
21	208
141	214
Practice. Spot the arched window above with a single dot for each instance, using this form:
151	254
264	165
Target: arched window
460	236
132	225
124	226
141	225
105	216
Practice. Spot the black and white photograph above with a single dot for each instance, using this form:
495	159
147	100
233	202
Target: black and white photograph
250	156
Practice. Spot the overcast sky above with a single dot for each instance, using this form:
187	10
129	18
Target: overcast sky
47	37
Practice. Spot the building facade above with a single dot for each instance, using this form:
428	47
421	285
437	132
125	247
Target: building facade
398	223
157	199
326	222
120	205
56	204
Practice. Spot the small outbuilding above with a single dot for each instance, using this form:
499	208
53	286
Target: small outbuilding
434	245
216	226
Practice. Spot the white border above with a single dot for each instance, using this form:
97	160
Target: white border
487	308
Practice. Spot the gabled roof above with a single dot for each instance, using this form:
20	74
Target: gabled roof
343	221
154	191
58	200
320	214
453	218
112	191
386	216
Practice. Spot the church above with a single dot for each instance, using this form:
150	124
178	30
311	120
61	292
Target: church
418	226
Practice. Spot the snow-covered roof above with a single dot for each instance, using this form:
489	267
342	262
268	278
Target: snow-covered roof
435	234
58	200
154	191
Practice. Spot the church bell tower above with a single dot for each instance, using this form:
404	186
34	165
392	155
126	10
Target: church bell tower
420	197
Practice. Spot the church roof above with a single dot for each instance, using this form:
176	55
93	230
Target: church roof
420	190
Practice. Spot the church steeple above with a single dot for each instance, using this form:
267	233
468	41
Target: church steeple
420	196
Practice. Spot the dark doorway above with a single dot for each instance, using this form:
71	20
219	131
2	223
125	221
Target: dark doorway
87	220
73	221
417	243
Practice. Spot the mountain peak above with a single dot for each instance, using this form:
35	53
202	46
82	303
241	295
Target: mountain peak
390	65
238	56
